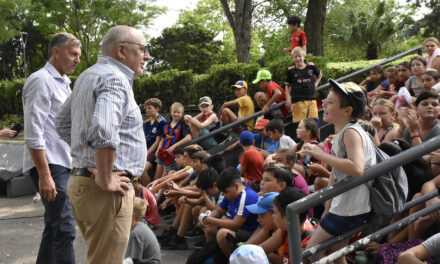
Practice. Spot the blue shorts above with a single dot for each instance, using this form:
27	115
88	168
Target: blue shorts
337	225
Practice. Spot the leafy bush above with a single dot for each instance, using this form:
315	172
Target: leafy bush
187	87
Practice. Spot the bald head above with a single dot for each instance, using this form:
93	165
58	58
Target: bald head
117	35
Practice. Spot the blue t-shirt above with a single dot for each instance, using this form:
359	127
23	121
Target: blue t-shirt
193	175
238	207
260	142
273	146
371	86
154	130
172	135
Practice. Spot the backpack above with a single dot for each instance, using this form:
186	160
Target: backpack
388	192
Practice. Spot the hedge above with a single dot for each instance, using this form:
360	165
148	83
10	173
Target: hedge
186	87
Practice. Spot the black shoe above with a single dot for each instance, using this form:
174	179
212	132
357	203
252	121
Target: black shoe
194	233
167	233
164	242
170	209
201	242
178	243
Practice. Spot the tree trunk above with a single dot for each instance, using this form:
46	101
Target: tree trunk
372	51
314	26
240	21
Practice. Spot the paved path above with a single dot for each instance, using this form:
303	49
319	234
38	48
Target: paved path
21	226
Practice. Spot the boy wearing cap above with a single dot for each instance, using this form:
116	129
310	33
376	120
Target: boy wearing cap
245	106
252	161
204	122
274	94
352	153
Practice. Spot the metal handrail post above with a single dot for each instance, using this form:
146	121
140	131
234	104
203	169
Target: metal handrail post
295	208
378	234
363	227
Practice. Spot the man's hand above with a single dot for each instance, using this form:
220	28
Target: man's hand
117	183
47	188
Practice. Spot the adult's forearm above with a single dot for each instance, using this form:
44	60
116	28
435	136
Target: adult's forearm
104	160
40	161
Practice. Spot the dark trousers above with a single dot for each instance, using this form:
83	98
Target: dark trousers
59	226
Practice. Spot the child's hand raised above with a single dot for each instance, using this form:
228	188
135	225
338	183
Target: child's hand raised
313	150
376	122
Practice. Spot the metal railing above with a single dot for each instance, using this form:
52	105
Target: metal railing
294	209
386	230
326	244
418	50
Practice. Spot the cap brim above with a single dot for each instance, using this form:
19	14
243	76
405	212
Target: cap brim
256	81
255	209
335	84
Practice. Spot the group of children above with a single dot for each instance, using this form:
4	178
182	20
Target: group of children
246	205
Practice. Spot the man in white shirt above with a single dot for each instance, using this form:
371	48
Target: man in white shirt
46	156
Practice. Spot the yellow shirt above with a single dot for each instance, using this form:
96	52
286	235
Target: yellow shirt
246	108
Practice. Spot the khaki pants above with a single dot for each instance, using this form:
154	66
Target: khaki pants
104	219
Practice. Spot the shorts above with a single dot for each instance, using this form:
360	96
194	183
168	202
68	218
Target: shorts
207	143
243	235
337	225
151	157
304	109
240	128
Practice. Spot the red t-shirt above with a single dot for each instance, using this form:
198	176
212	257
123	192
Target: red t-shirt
253	160
295	39
270	91
285	248
152	214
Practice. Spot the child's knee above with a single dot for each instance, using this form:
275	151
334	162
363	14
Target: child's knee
260	98
221	234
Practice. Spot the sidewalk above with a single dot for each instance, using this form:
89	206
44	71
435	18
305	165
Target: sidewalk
21	226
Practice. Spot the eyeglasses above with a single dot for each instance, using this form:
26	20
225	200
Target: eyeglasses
145	48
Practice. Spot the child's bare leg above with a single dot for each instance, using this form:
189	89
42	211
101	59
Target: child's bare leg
221	240
195	131
185	220
145	178
228	116
318	236
159	171
210	232
178	217
412	232
261	99
196	211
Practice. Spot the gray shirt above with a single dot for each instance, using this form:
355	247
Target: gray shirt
287	142
102	113
143	246
435	131
432	244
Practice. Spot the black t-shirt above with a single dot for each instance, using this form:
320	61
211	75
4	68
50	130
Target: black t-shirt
302	82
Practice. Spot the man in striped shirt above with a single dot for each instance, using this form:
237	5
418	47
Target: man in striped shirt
103	124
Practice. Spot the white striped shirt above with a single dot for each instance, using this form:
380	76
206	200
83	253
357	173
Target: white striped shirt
43	94
102	113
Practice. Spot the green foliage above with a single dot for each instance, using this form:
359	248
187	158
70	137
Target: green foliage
367	29
9	120
186	47
89	20
11	18
10	96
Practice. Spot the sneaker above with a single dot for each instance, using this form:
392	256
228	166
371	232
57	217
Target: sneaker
178	243
167	233
164	242
200	243
194	232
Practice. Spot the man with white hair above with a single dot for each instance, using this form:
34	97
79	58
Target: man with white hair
46	157
103	124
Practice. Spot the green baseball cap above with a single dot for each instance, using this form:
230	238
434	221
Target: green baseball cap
263	75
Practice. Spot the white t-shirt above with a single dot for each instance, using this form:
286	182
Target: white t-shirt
287	142
355	201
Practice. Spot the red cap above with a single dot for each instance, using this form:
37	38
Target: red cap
261	124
